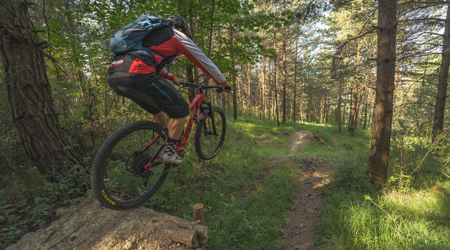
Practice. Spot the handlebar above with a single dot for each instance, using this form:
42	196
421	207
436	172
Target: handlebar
203	87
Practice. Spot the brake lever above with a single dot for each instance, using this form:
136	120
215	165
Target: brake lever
220	90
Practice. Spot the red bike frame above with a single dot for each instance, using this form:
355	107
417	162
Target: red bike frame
194	107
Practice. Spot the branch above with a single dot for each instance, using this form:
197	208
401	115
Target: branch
432	33
210	32
46	24
55	62
423	19
356	37
434	3
342	2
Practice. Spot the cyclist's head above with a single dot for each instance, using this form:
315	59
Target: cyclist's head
179	23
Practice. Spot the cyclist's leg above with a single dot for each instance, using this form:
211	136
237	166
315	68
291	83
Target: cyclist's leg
176	126
160	118
126	85
155	94
178	110
151	92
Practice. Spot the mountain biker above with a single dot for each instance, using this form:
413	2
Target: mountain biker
145	83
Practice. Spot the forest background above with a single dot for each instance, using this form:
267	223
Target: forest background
308	61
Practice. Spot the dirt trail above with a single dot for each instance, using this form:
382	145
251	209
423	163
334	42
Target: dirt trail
299	140
304	219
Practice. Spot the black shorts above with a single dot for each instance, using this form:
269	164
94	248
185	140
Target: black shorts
150	91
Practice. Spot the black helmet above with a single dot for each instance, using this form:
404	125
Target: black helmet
178	22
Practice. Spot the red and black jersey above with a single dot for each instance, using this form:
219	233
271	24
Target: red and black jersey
167	43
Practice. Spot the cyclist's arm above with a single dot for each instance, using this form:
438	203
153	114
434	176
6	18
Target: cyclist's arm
188	48
166	74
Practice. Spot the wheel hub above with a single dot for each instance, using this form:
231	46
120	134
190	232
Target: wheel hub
138	164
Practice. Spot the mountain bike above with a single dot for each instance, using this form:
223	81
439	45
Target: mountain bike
127	170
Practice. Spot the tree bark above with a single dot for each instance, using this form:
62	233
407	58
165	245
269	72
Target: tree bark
262	85
29	92
191	67
275	73
284	97
249	100
380	145
234	79
439	110
269	92
365	116
295	81
339	103
352	122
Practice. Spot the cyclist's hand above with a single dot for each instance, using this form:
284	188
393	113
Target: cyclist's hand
226	87
177	81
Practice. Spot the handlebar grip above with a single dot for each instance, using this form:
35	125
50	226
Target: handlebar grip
228	88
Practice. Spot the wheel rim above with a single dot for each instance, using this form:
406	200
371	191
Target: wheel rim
209	141
124	178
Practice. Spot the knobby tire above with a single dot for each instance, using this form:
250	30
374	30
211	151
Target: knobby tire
207	144
111	160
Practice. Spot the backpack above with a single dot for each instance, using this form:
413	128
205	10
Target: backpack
129	38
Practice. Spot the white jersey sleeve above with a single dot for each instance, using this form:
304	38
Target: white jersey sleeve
188	48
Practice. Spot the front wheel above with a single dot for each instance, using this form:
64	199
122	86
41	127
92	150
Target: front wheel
119	177
210	134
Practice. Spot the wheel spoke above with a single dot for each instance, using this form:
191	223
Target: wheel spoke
210	135
121	162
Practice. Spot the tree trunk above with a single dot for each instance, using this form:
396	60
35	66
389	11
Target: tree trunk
219	33
262	85
379	151
284	97
365	116
249	88
295	81
326	109
339	104
29	92
439	110
276	92
190	68
234	79
275	73
345	109
238	87
352	122
358	105
269	92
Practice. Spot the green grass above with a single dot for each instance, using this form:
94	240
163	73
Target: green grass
349	221
246	199
249	188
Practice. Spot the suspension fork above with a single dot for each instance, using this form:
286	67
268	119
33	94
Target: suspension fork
211	115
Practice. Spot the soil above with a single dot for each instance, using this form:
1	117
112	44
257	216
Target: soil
299	140
313	173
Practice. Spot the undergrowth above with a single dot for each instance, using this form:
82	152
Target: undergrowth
249	187
411	211
246	197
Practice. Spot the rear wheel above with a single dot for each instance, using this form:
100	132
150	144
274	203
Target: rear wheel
118	177
210	134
